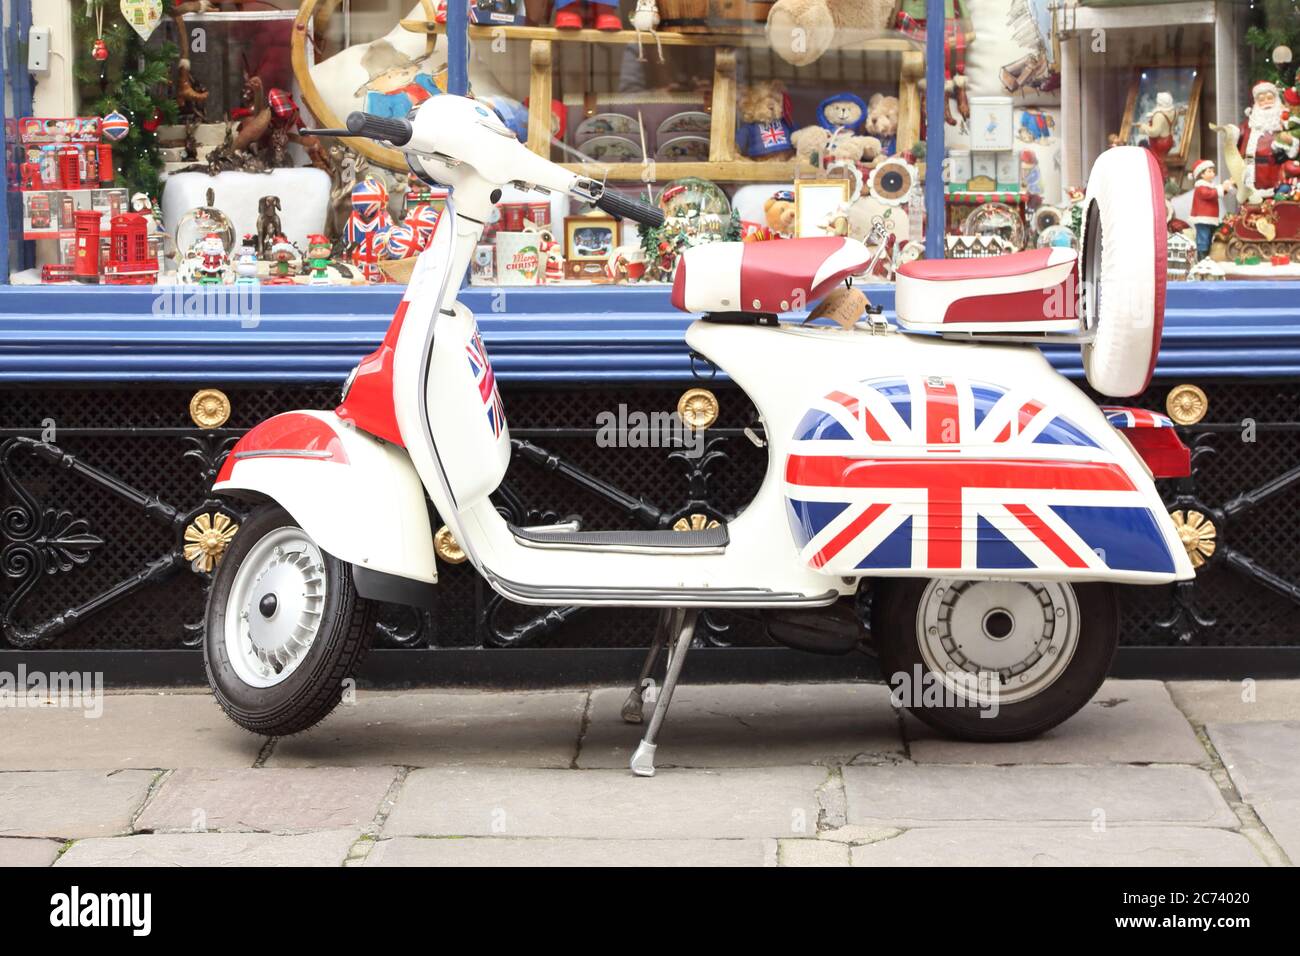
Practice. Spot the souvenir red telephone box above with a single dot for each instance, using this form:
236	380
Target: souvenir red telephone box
129	262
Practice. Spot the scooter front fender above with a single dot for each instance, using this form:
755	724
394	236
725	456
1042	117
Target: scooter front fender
358	497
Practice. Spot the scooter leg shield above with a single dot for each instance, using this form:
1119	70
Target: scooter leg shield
358	497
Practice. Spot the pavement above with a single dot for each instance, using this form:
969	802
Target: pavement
1195	773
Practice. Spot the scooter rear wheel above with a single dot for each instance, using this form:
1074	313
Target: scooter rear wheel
993	660
284	627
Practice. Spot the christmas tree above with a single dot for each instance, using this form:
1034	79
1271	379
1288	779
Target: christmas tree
134	80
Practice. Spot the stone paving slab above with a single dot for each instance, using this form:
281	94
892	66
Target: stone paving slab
71	803
731	725
159	730
907	796
280	801
1263	760
613	804
1061	846
321	848
509	851
1234	702
15	852
442	729
1128	721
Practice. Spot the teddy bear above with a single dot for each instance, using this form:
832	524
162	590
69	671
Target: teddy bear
764	114
800	31
816	145
882	121
778	213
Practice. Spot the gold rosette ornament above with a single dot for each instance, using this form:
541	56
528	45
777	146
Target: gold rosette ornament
207	538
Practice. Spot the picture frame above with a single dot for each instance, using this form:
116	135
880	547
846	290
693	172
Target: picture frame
992	127
816	202
1184	84
589	238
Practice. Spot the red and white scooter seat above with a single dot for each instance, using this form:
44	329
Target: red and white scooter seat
1031	291
779	275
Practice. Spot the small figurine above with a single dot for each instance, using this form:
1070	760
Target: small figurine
1158	127
318	258
548	251
1206	211
283	256
268	222
246	262
1264	144
645	19
211	268
569	14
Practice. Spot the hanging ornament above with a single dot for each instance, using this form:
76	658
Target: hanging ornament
143	15
114	126
152	123
100	49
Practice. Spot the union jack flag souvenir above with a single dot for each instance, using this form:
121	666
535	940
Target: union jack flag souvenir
401	242
951	475
487	384
423	219
370	199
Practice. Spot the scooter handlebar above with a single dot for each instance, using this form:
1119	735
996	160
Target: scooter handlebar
619	205
395	131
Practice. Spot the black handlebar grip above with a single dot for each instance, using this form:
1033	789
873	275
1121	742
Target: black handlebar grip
618	205
395	131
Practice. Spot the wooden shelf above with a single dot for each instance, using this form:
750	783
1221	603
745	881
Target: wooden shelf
737	38
723	165
727	171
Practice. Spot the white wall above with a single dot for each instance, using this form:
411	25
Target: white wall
55	93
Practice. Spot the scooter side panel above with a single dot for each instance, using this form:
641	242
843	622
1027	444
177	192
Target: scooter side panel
359	498
952	475
811	386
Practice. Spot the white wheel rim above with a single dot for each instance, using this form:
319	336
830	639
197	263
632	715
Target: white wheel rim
273	613
1008	640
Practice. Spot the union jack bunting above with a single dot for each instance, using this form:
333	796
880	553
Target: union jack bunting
487	384
1135	417
943	474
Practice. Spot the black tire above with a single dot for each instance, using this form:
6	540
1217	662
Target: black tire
316	686
894	608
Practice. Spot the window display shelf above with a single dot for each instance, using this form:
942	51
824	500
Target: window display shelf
724	163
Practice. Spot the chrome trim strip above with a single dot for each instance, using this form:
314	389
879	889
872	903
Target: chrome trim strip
284	453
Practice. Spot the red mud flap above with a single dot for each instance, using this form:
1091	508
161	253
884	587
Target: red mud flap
1153	437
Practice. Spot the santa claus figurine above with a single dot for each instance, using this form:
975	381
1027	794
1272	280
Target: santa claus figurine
1206	212
1264	146
1159	129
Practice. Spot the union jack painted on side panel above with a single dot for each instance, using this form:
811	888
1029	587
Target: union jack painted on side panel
947	475
1135	417
487	384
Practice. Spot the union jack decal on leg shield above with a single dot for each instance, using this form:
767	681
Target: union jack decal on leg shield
946	475
487	384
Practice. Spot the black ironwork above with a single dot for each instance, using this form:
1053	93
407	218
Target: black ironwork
101	514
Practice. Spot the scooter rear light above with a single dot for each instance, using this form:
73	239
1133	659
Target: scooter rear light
1162	450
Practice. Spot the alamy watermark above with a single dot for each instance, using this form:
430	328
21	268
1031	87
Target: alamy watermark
638	429
81	690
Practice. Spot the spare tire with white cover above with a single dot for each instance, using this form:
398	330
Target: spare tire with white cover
1122	269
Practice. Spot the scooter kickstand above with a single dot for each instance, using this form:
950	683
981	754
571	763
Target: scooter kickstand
643	759
632	707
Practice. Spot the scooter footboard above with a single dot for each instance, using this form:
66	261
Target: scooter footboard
359	498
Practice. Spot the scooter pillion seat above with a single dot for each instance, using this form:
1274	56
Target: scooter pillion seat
1032	291
779	275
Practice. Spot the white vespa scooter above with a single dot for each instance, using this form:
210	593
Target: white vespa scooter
990	504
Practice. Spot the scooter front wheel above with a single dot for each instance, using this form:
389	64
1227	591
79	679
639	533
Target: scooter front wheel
284	627
993	660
